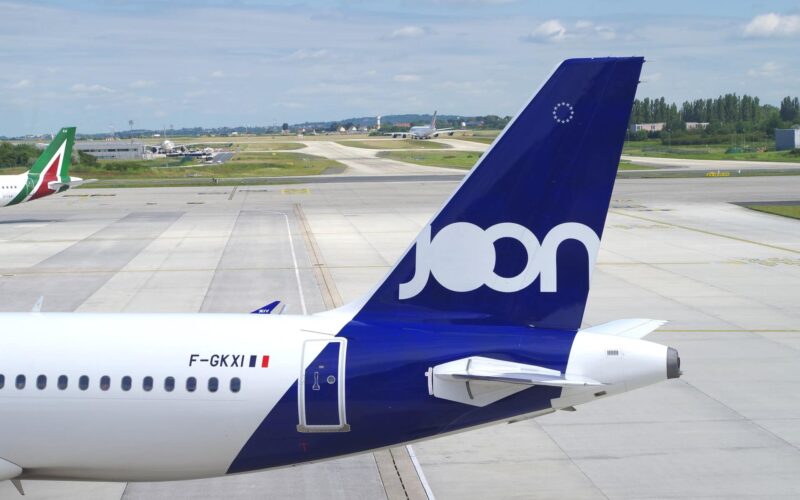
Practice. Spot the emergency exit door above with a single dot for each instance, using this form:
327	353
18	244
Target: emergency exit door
321	386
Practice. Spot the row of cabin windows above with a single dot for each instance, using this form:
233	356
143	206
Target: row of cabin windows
126	383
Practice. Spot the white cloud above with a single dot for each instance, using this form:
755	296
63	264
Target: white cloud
548	31
768	69
773	25
408	32
605	33
588	29
22	84
304	54
83	88
141	84
217	74
406	78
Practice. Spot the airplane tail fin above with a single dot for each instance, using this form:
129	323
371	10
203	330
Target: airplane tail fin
517	241
51	168
433	121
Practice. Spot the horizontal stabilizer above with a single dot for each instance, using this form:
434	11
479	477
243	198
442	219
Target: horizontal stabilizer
635	328
73	183
479	381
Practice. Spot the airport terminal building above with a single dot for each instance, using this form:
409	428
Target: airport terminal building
112	150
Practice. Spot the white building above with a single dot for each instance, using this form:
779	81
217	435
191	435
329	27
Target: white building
112	150
648	127
696	125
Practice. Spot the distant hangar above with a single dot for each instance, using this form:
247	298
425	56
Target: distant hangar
112	150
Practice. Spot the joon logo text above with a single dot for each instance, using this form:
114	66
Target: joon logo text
461	257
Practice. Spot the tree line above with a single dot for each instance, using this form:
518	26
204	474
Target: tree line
24	155
727	114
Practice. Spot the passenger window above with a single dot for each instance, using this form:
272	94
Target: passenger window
105	382
62	382
191	384
2	381
20	382
147	383
236	384
126	383
169	384
41	382
83	382
213	384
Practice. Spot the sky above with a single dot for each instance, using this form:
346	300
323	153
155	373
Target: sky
210	63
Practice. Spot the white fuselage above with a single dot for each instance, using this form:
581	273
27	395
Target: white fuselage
10	186
151	397
421	131
118	434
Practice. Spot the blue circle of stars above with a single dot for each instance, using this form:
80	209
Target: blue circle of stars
563	112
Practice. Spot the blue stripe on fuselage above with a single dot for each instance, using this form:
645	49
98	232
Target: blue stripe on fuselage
387	390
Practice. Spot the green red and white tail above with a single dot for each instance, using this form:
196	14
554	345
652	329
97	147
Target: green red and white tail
50	173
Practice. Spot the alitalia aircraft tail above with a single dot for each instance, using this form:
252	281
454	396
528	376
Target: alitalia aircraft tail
50	173
516	243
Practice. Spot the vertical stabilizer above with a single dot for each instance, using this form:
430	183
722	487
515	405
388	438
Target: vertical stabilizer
516	243
52	166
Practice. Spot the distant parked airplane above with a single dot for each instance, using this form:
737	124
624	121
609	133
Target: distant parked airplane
423	131
478	322
49	175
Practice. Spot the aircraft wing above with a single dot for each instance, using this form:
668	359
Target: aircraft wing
635	328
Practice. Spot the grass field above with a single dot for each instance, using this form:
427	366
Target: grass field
268	146
628	165
452	159
241	165
785	210
482	140
13	170
394	144
707	152
462	159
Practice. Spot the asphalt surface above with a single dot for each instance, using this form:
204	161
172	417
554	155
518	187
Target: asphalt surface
727	278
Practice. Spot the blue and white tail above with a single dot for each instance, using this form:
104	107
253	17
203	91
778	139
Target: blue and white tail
516	243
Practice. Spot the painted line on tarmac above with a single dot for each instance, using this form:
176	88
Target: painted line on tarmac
399	471
418	467
330	294
704	231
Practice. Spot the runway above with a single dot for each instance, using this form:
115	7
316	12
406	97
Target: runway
361	161
727	278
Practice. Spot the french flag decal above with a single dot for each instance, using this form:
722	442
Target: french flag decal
254	360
